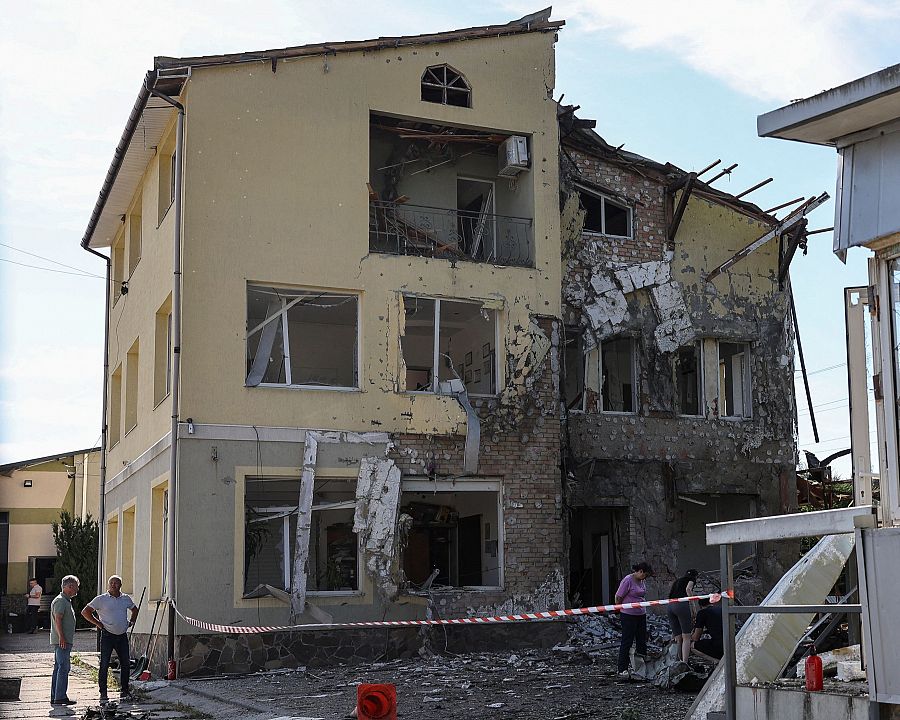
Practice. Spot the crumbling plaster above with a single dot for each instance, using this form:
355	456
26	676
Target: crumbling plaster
653	290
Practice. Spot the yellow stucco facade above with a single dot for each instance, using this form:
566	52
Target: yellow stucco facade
32	496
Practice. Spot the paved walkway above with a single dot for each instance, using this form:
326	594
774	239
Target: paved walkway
29	657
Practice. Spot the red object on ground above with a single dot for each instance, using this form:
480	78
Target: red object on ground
172	674
376	701
813	672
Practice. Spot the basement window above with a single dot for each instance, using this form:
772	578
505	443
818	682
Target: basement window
455	539
689	379
605	216
270	528
446	86
463	346
734	380
303	338
617	372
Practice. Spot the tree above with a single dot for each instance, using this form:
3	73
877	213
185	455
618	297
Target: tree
77	548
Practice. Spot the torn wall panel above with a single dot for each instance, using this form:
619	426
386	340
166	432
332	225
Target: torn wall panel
375	519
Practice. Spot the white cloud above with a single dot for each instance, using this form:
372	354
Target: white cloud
768	49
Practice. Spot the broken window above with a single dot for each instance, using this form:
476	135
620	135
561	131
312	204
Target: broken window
617	373
689	379
455	535
573	369
605	216
464	345
270	527
442	84
734	380
301	337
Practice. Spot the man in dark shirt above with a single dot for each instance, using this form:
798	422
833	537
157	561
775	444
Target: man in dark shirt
709	621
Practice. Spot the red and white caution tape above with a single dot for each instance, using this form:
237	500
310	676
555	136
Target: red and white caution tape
544	615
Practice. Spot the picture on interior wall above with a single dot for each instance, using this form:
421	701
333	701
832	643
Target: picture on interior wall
486	350
468	358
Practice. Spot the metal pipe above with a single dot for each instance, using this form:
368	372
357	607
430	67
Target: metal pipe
708	167
809	402
726	171
101	521
794	609
784	205
728	643
176	368
755	187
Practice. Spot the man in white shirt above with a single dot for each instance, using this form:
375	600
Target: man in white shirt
109	612
34	604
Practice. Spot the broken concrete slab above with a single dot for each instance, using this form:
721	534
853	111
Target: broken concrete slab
765	642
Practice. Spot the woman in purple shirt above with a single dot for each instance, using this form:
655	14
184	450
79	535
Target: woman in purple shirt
634	620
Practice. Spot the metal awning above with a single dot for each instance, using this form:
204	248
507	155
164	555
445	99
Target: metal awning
821	119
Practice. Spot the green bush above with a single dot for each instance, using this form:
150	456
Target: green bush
77	548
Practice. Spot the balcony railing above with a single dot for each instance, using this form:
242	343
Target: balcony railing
401	229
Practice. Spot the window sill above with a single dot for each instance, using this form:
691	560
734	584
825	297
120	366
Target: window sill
429	392
735	418
314	593
162	400
455	589
129	430
626	413
327	388
597	233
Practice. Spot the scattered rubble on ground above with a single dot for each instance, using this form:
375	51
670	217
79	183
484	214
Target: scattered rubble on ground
569	681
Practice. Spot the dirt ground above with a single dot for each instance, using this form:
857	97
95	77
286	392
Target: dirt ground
532	685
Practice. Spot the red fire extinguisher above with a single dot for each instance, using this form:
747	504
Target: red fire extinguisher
813	671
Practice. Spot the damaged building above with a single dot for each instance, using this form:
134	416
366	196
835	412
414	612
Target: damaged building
678	380
392	335
334	324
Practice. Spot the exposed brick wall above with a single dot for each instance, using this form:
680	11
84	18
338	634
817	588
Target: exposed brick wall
525	456
647	197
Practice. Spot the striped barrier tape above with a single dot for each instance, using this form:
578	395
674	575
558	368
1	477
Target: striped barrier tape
544	615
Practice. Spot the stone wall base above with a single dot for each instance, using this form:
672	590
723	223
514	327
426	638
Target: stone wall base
204	655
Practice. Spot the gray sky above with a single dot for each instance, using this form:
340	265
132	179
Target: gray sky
676	82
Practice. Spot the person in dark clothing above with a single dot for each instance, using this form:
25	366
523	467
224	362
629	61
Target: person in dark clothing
709	621
679	614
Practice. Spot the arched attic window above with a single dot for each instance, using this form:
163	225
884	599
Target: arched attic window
446	86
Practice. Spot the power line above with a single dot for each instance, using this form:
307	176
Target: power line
821	370
61	272
50	260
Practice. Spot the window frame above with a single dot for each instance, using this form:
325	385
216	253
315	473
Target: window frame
436	349
634	375
746	381
603	198
285	306
288	539
433	487
701	382
445	86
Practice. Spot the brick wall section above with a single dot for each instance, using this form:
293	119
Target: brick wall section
525	456
647	197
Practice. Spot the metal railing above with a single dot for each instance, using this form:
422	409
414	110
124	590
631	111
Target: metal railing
401	229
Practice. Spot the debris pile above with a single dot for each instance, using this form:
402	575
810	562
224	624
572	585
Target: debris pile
598	632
